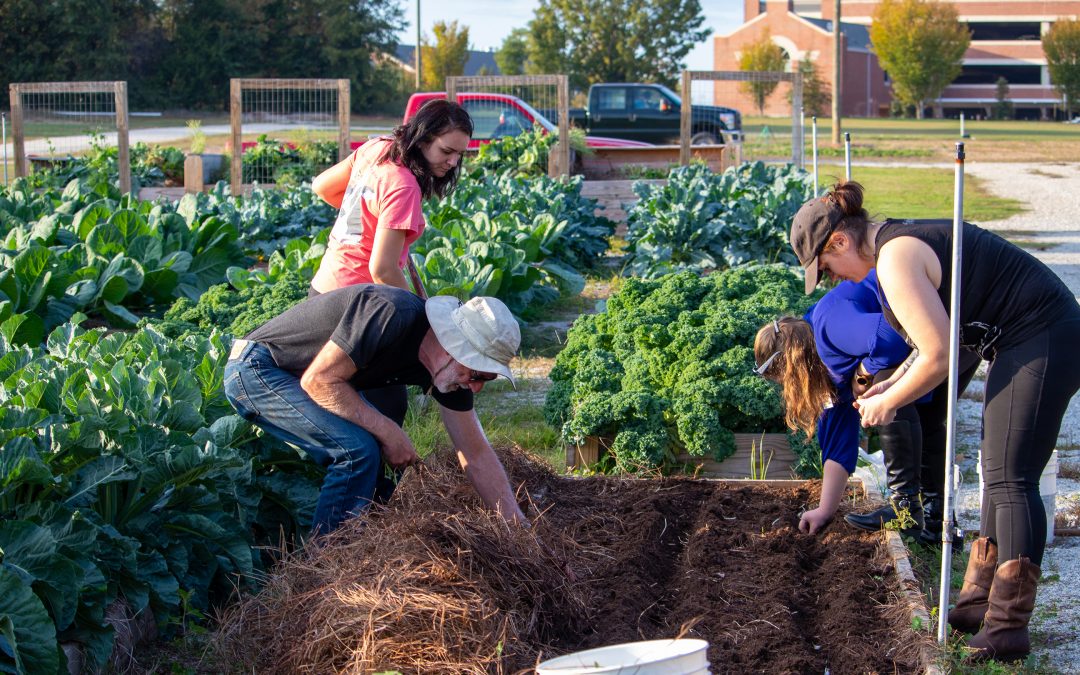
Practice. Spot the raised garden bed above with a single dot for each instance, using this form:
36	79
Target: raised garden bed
434	584
753	452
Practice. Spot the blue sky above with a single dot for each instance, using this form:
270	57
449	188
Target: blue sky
490	21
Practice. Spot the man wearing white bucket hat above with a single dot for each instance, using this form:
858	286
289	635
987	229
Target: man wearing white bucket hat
300	376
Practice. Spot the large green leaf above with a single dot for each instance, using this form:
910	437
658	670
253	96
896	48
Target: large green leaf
31	552
23	329
20	464
27	633
88	218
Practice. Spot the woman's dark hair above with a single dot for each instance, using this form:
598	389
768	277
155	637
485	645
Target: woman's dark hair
434	118
849	197
804	381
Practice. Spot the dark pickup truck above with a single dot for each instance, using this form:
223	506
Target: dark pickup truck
651	113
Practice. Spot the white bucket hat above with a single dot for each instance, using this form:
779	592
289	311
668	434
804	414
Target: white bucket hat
481	334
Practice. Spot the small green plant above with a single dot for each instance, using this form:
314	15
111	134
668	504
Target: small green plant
198	136
903	521
759	465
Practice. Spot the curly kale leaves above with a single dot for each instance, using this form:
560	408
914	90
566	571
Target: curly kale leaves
668	366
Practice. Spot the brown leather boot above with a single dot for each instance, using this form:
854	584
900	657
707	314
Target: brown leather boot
970	608
1004	635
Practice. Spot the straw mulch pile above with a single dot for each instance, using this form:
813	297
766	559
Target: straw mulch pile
435	584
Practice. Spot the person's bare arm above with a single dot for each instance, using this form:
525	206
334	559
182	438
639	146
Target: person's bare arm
385	255
330	185
481	466
832	491
908	273
326	381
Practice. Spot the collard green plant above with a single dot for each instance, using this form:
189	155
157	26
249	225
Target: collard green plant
668	365
89	249
125	474
703	221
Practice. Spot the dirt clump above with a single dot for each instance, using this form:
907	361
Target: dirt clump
433	583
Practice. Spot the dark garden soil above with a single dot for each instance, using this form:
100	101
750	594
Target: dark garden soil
433	584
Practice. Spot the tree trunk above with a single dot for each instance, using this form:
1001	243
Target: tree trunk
919	105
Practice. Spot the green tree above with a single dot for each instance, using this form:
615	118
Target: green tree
815	95
1061	44
447	56
614	40
921	45
766	56
513	53
1003	108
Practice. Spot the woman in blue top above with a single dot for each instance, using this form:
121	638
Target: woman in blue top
823	362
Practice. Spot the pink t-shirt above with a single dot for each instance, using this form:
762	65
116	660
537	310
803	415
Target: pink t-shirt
379	195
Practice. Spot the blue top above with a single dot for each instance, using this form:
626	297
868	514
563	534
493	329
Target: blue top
850	328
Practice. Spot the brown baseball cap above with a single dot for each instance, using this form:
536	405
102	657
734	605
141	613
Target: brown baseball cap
810	229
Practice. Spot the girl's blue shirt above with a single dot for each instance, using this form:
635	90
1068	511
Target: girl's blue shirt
849	329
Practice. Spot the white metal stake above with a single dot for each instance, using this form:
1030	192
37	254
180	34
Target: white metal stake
954	363
813	145
962	134
3	126
847	155
802	137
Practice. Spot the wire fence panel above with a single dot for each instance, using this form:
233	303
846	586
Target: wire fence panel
313	115
53	122
719	92
507	105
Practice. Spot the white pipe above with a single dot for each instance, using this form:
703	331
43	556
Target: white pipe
962	134
802	138
954	363
813	145
3	125
847	155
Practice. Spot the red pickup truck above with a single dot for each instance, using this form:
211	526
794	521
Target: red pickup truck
498	115
495	116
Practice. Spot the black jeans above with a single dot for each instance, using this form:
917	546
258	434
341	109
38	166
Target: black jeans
1027	393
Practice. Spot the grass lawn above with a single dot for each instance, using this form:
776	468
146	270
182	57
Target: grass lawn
927	140
897	192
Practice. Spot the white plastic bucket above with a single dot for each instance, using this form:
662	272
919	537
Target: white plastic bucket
653	657
1047	490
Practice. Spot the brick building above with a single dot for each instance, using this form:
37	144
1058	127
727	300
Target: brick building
1006	42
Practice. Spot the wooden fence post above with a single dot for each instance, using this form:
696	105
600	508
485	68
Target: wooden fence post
235	106
17	133
123	152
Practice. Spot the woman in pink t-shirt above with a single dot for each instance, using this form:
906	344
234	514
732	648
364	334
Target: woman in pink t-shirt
379	190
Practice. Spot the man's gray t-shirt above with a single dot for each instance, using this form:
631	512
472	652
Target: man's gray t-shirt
379	327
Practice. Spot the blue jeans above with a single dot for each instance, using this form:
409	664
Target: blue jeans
273	399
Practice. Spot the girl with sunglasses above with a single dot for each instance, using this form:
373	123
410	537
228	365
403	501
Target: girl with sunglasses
823	362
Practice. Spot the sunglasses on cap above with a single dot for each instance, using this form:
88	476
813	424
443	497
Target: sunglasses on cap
760	370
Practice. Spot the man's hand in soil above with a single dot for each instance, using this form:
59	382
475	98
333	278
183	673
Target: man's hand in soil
397	449
814	520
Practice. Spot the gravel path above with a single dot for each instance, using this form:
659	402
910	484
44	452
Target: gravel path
1052	195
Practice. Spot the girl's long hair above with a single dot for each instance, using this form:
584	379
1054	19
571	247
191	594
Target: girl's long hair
435	118
805	385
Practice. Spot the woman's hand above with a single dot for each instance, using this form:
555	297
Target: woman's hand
814	520
874	410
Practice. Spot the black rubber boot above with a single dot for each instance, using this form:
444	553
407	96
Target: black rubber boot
909	506
901	443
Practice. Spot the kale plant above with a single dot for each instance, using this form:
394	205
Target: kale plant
668	365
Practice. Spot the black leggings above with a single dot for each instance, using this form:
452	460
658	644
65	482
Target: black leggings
934	417
1027	392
